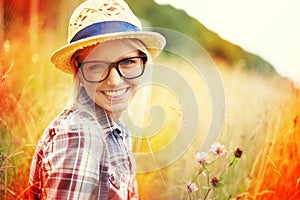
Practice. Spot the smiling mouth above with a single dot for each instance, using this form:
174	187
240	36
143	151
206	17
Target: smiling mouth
114	94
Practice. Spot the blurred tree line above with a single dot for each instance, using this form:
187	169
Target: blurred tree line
30	17
167	16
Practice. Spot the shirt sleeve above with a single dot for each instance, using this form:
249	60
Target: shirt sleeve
74	163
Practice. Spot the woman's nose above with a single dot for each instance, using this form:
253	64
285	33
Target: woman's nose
114	77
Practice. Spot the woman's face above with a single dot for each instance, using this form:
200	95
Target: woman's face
114	93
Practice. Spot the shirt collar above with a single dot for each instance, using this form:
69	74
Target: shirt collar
108	124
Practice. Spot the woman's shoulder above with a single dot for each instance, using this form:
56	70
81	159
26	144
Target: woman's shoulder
74	116
73	121
73	131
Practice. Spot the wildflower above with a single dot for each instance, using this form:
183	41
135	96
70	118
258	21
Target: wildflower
192	187
202	158
238	153
217	149
215	182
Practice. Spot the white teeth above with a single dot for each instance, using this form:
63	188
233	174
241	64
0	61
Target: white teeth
115	94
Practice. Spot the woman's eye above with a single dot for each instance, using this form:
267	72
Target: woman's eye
128	62
95	67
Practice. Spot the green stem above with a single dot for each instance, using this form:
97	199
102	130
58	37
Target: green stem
207	176
230	164
196	175
189	195
207	193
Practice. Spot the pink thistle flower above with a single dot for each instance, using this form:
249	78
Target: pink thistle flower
192	187
202	158
217	149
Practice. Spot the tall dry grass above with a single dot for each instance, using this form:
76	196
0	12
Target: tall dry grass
276	171
263	118
31	95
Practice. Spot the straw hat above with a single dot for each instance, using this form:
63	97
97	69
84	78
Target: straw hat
96	21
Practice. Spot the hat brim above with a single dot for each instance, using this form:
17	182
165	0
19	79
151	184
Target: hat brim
61	58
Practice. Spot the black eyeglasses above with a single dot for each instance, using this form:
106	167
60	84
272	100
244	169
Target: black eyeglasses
128	68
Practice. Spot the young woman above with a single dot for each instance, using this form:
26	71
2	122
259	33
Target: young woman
85	153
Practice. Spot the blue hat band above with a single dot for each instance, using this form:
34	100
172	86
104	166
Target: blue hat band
102	28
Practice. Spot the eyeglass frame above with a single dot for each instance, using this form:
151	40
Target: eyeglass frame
113	65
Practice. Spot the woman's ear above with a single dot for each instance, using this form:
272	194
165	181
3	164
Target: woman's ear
78	75
76	70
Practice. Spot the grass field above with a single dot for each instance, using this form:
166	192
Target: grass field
262	118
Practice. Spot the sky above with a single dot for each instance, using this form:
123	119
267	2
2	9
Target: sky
268	28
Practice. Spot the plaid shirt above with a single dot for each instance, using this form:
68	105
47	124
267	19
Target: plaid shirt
83	157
